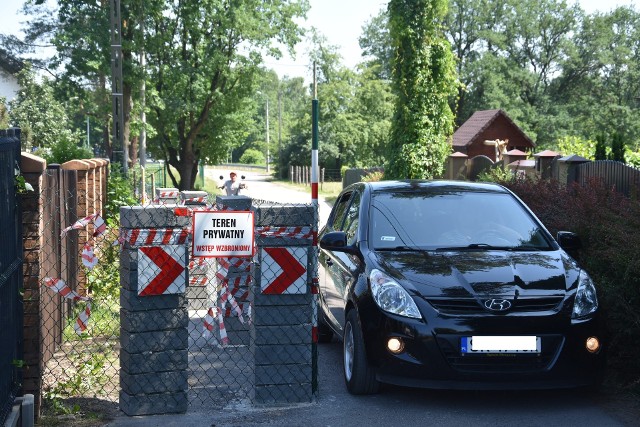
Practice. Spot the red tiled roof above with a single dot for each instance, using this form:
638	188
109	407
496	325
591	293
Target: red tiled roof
457	154
516	152
546	153
477	123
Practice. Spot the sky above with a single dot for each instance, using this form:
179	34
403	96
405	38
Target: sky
340	21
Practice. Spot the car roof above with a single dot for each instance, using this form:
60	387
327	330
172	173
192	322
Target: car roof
434	185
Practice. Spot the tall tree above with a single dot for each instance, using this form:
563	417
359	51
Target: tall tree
375	43
203	57
424	79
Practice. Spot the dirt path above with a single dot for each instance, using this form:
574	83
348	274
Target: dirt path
261	187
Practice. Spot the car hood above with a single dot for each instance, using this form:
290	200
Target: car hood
480	273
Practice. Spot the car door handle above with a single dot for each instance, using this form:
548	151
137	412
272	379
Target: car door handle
329	262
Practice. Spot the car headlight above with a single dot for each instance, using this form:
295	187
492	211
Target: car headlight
392	297
586	301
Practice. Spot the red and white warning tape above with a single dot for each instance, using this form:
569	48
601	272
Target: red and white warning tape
60	287
289	232
89	258
156	236
202	199
198	281
99	225
168	194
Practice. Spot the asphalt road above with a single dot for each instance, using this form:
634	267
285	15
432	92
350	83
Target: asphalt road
260	187
334	406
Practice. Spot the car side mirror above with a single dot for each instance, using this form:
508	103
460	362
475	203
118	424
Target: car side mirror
337	241
569	241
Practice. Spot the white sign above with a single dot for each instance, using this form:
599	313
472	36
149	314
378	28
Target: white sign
223	234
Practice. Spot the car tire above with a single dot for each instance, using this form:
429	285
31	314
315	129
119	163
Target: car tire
359	376
325	333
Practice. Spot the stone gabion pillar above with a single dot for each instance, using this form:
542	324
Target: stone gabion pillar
282	329
154	327
167	196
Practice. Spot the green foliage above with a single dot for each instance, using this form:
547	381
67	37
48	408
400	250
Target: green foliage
557	71
617	147
601	148
607	224
63	151
4	113
373	176
497	174
376	45
575	145
632	158
251	156
424	79
44	123
119	193
87	375
204	58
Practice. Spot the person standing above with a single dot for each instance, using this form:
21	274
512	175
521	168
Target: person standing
232	186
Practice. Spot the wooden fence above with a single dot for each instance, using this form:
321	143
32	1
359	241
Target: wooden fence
62	195
624	179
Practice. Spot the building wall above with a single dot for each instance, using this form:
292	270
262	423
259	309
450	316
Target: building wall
501	128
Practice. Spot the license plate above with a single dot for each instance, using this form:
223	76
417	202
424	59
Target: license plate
500	344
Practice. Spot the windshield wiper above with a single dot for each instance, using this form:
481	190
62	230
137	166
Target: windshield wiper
472	246
400	248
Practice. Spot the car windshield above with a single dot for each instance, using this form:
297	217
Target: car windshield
452	220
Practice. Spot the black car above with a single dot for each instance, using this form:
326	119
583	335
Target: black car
447	284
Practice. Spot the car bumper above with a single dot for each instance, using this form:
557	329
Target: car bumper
432	357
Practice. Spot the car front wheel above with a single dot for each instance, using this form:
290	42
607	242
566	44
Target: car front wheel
359	376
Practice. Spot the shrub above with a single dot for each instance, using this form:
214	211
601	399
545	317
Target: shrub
251	156
373	176
608	225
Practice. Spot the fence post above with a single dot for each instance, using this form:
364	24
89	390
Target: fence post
154	323
567	168
282	330
82	209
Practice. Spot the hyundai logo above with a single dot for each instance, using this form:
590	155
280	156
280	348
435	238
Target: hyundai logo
497	304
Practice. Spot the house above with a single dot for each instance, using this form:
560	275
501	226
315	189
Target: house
9	68
490	133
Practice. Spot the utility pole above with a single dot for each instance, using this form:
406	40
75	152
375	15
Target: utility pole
118	142
143	115
268	155
279	134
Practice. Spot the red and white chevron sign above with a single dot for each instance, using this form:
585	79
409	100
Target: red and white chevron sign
283	270
161	270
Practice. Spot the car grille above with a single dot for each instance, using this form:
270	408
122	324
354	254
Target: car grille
500	363
461	306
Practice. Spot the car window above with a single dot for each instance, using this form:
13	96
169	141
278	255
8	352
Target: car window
452	219
352	219
340	210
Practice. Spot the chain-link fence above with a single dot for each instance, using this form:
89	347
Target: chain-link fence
129	317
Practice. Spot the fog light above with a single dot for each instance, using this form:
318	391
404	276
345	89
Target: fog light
395	345
593	344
